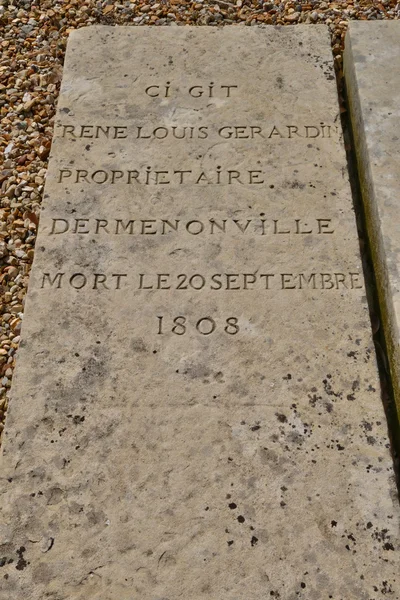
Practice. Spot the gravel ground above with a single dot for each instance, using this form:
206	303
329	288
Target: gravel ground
33	37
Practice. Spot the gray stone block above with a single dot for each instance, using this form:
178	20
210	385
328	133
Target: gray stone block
196	409
372	72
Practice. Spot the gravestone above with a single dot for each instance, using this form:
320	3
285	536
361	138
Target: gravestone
196	410
372	71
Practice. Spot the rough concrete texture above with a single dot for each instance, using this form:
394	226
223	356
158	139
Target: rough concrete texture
372	72
196	410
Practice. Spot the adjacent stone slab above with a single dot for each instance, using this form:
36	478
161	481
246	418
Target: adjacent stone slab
372	71
196	412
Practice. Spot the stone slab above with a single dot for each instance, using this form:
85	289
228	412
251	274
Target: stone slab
196	410
372	71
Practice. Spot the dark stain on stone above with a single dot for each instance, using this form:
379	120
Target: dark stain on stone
22	563
253	540
366	426
295	438
241	519
78	419
219	377
297	185
312	399
388	546
196	372
138	345
329	389
382	536
281	418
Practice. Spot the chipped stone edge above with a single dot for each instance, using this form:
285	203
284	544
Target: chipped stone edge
372	219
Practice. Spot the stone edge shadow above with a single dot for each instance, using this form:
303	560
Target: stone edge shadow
372	222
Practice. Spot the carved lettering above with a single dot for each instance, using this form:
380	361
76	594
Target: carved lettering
254	226
195	91
151	176
78	281
196	282
113	132
193	132
204	326
56	281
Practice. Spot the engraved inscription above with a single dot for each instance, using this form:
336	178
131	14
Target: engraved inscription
195	282
192	227
201	132
277	226
150	176
211	90
204	325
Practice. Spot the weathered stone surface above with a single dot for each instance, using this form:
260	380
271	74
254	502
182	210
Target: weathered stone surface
240	451
372	71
